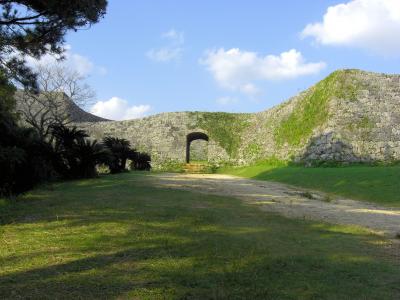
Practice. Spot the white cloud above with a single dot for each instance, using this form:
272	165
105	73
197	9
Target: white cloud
164	54
102	71
176	37
119	109
249	89
237	70
137	111
173	50
226	101
368	24
76	62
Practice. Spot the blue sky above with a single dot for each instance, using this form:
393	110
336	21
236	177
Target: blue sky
147	57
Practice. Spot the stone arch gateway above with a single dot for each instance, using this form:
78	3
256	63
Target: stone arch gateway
165	136
192	137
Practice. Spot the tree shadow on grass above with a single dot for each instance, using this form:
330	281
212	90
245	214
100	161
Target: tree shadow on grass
189	272
160	243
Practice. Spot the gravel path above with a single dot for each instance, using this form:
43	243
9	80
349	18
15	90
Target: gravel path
289	201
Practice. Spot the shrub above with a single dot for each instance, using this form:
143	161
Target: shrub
141	162
77	156
120	151
25	160
88	155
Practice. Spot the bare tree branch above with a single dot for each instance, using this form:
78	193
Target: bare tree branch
60	89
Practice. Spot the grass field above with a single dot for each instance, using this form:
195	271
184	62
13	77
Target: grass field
379	184
118	237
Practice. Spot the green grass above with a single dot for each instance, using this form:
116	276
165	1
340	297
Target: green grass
119	237
379	184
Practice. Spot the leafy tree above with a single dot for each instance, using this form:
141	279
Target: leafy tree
66	137
7	103
65	141
121	151
11	156
24	159
37	27
89	154
11	160
32	27
77	156
39	160
141	162
28	162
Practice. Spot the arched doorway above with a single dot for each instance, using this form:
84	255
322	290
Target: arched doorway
192	137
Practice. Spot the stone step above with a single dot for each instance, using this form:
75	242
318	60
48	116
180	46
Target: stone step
195	168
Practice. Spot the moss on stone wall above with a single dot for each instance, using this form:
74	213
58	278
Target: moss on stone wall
348	85
363	123
224	128
312	110
252	151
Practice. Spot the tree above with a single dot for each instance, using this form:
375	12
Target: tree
11	156
65	139
34	28
59	90
37	27
121	151
89	154
25	160
141	162
77	156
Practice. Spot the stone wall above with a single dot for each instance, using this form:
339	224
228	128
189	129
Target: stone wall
361	123
163	136
349	116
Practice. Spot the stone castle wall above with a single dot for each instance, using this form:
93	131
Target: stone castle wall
366	128
361	126
163	136
359	121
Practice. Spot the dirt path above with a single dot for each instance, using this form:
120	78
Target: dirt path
289	201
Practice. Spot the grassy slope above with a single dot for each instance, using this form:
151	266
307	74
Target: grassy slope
376	184
118	237
312	110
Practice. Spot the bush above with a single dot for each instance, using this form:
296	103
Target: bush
142	162
88	155
78	156
120	151
25	160
172	166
